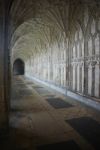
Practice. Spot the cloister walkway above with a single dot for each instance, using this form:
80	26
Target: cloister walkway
42	119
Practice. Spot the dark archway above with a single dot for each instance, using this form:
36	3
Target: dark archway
18	67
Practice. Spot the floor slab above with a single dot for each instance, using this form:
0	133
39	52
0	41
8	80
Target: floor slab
38	118
88	128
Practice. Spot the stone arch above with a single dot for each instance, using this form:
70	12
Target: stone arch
18	67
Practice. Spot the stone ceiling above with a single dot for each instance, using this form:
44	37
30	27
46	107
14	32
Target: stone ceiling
39	24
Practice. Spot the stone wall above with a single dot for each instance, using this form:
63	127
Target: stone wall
86	60
4	70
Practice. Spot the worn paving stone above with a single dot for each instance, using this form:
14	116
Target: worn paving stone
41	90
88	128
58	103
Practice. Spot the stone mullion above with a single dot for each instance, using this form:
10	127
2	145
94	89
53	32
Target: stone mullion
71	69
75	77
93	69
48	67
72	56
69	65
99	77
66	68
93	46
60	65
76	66
80	70
51	64
59	75
85	68
93	81
99	64
85	78
71	77
80	80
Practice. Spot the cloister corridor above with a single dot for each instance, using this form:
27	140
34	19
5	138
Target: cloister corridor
49	74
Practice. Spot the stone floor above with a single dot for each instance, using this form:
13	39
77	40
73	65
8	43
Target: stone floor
43	119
